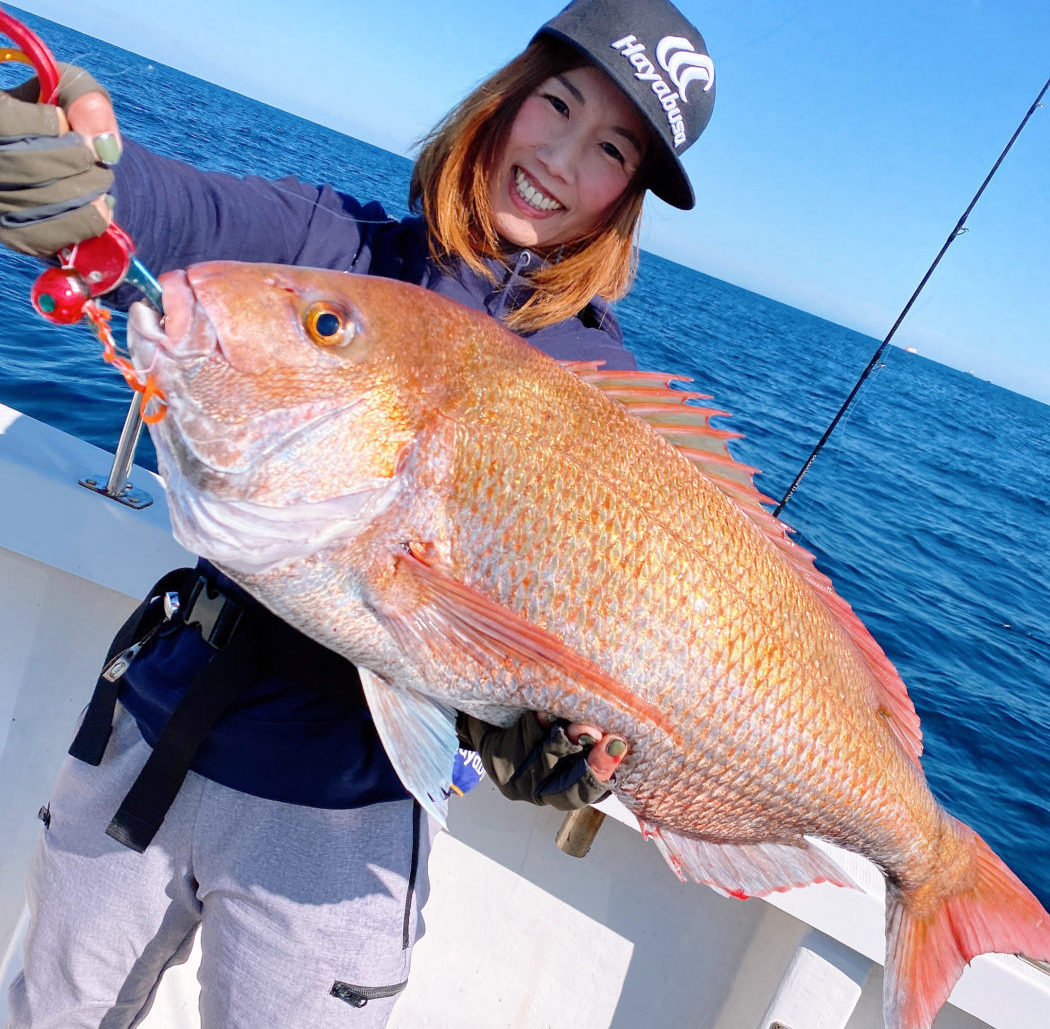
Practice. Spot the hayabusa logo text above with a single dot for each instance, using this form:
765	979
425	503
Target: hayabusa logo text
678	57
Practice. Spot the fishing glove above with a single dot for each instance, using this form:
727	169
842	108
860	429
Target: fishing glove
529	762
47	179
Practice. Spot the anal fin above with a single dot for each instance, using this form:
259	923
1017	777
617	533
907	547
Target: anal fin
744	870
419	735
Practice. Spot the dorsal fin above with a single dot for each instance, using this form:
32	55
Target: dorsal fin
672	412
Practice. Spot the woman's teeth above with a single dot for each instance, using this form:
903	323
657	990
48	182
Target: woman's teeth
532	196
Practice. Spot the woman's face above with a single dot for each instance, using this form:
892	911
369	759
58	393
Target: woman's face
570	154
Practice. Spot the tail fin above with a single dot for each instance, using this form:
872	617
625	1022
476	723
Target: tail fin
930	942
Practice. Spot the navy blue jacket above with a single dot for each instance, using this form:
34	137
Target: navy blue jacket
302	732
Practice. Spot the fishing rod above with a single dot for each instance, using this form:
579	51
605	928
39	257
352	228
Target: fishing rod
957	231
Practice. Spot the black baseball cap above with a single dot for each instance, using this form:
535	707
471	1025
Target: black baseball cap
661	62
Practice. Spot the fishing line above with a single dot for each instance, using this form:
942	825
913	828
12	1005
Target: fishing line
957	231
762	36
860	395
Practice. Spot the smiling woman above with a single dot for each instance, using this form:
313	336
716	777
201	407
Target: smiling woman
556	151
525	161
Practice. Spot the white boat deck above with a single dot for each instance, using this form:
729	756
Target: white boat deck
518	934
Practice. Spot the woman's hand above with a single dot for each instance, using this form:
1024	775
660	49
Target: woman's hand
54	164
545	761
606	751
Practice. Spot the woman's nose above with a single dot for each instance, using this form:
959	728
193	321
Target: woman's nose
560	155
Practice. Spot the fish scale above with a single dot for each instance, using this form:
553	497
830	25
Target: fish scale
504	536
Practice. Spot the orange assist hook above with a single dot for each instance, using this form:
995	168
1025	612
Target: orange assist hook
150	392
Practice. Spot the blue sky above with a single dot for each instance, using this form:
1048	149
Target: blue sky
847	139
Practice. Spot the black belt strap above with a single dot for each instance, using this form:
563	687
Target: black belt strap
143	809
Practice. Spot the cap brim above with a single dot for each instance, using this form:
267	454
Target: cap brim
670	182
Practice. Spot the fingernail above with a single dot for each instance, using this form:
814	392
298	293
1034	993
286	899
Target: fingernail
585	739
108	148
616	748
111	201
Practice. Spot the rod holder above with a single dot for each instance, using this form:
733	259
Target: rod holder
116	485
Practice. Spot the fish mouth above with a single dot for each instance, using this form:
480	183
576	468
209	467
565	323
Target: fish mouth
183	333
145	336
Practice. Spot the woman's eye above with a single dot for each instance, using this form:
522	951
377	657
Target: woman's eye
557	103
328	326
614	152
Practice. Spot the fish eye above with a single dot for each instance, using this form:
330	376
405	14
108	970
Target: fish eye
328	326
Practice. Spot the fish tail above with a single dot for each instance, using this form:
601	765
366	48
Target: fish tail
930	940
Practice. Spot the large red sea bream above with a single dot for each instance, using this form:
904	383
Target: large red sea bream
480	528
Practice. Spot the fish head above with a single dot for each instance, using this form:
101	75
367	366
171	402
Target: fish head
291	394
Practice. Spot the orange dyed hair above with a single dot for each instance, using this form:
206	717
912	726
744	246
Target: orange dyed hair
450	187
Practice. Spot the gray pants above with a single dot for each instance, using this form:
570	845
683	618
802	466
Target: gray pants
303	912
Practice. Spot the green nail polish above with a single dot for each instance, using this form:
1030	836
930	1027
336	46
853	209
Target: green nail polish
586	740
107	146
616	748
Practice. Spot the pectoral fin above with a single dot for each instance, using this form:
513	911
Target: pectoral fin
419	735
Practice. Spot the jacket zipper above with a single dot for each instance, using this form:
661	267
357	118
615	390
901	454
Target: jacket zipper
523	261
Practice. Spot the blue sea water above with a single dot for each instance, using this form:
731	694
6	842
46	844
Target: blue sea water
929	508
